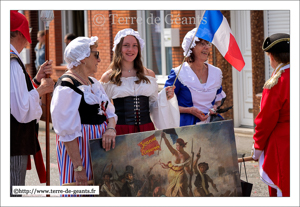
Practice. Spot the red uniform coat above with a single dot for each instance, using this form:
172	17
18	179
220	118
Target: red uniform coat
272	134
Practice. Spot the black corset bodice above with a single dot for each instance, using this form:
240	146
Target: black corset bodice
88	113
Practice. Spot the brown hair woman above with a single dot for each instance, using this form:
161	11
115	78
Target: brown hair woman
131	86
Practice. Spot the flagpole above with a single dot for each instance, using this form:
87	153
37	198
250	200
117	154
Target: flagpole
47	16
188	48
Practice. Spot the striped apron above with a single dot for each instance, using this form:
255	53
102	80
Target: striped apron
65	166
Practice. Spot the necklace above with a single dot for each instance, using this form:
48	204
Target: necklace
81	79
130	70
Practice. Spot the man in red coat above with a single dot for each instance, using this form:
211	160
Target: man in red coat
272	132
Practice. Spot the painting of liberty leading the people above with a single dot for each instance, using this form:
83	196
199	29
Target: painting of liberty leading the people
198	161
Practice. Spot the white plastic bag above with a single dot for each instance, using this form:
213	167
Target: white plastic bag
166	114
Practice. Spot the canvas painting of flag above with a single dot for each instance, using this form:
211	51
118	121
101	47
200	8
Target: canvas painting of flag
190	161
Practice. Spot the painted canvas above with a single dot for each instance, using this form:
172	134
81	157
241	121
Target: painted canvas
199	160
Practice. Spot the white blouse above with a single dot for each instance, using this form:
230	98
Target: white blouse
202	94
130	88
64	108
24	104
164	113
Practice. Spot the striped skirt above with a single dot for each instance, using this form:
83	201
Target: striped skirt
65	166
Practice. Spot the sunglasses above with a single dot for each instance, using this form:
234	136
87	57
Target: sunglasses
204	43
97	54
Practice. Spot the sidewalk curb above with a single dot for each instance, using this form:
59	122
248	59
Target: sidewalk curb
244	131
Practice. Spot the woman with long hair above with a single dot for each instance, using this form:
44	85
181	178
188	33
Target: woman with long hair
131	86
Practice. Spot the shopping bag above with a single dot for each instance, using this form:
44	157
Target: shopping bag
246	186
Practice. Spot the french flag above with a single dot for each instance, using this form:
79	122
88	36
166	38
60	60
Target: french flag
215	29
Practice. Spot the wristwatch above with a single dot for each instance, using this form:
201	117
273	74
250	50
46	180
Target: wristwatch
78	169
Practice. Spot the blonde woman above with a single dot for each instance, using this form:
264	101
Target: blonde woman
40	50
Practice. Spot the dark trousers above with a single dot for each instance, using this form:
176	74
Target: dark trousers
18	165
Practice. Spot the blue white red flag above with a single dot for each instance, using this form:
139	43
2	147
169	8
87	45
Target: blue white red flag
215	29
172	133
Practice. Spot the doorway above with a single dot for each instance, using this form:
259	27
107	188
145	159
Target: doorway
242	81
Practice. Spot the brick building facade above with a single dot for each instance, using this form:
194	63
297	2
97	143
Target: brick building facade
117	20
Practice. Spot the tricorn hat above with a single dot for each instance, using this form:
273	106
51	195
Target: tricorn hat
278	43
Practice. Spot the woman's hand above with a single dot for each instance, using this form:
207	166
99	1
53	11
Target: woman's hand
108	138
80	177
196	112
215	108
213	111
74	154
45	69
170	92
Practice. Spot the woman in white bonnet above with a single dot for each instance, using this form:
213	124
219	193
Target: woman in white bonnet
199	84
130	85
80	111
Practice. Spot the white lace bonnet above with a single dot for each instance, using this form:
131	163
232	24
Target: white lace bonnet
77	50
187	41
126	32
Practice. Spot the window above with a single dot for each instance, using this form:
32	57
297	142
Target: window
72	22
156	56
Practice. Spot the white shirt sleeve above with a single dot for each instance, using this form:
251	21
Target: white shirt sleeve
107	87
110	111
153	99
65	115
220	96
24	104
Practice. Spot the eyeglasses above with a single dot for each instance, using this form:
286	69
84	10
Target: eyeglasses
97	54
203	44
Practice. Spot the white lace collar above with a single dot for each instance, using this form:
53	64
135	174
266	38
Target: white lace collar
189	79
